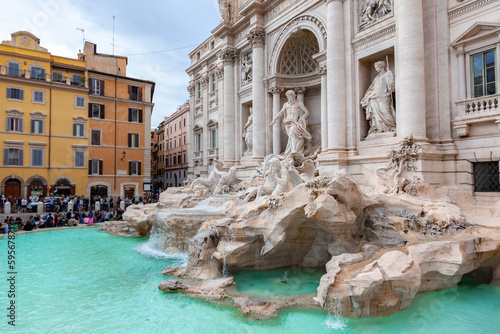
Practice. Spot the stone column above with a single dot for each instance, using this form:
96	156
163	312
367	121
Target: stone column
336	89
220	100
257	37
410	74
461	74
324	106
300	91
276	91
192	111
228	56
206	118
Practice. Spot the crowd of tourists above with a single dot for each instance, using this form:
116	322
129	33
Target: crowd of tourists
55	203
59	212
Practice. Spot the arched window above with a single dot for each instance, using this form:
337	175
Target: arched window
296	56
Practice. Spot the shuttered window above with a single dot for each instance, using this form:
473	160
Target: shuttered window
135	115
37	157
96	110
15	93
79	159
95	137
14	124
13	157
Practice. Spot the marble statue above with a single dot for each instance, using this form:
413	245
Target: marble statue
225	10
226	180
271	170
294	124
246	69
374	9
378	101
212	179
248	132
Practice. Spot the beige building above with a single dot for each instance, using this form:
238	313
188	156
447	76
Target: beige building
436	79
175	147
119	113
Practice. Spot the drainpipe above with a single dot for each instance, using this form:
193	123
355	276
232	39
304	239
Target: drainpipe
50	136
114	176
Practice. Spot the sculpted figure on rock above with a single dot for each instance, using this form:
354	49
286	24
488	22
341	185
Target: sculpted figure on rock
212	179
378	101
294	124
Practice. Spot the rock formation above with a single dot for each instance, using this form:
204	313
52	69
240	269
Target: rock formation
380	243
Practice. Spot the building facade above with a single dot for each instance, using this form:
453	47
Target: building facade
176	146
370	73
119	113
44	120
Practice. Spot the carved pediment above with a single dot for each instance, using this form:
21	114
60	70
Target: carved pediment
25	40
211	123
477	31
197	128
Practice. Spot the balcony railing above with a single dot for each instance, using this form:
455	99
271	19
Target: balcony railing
476	110
198	155
49	77
212	152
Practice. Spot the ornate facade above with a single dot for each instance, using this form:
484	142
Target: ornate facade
371	72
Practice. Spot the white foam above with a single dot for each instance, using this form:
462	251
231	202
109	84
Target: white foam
152	248
336	323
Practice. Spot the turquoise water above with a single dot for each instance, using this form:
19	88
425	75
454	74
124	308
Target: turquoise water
85	281
278	284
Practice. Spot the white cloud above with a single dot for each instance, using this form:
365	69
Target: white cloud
144	27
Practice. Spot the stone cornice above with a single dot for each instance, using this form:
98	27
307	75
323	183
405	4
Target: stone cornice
371	39
469	7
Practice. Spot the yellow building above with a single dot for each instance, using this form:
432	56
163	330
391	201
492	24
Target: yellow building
43	120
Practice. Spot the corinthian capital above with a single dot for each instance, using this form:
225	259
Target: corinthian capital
321	70
275	89
228	55
257	37
190	88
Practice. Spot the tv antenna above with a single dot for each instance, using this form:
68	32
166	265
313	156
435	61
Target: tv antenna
113	35
82	30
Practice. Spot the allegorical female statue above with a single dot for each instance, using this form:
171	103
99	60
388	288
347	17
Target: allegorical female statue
248	132
294	124
378	101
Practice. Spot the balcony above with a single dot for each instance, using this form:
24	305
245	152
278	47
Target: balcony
48	77
198	155
477	110
212	152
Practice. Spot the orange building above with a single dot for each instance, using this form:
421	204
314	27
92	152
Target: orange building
119	113
176	146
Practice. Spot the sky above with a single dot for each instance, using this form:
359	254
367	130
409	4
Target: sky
155	35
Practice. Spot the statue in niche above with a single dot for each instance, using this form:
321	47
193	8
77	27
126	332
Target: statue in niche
248	132
373	10
378	101
294	125
246	69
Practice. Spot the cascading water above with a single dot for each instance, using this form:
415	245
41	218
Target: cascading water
153	248
334	319
225	270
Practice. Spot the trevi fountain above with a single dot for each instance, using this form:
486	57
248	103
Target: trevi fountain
378	240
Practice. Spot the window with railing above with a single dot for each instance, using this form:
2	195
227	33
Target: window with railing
14	70
37	73
57	77
483	73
